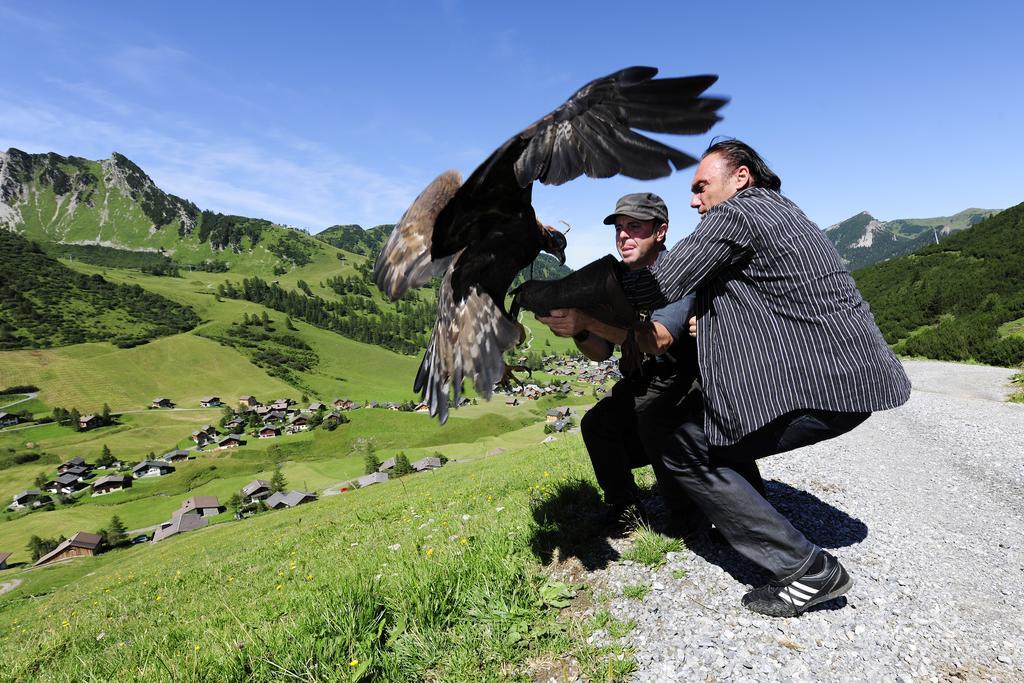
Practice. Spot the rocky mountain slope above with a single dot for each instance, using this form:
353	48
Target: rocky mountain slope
862	239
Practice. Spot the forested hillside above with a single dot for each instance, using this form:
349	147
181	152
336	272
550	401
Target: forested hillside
948	301
355	239
47	304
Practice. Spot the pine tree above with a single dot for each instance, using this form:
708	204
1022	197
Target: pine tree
105	418
117	534
41	480
73	419
278	482
106	458
402	466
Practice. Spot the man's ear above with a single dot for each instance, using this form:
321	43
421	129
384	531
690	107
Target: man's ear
743	178
659	232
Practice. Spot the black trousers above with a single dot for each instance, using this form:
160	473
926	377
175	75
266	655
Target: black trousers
629	428
712	478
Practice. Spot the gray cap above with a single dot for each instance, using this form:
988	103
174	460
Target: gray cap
644	206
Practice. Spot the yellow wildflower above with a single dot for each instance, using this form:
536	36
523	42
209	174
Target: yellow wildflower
354	662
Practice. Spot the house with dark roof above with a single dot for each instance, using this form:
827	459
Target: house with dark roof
235	425
247	402
201	438
205	506
299	423
3	559
77	461
87	422
175	456
79	471
162	402
210	402
269	432
274	416
82	544
316	407
7	419
387	465
280	500
65	483
28	498
111	483
231	441
151	468
257	489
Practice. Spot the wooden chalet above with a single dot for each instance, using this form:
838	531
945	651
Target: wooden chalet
151	468
370	479
28	498
431	463
175	456
87	422
269	432
247	402
179	524
204	506
162	402
82	544
3	559
257	489
111	483
299	423
210	402
231	441
73	462
7	419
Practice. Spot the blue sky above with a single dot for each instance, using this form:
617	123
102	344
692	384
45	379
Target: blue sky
313	114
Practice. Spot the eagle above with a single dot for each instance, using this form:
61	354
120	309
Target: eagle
480	233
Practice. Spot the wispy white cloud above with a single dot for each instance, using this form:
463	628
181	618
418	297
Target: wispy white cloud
298	183
144	65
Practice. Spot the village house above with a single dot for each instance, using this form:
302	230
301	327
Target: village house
261	410
210	402
87	422
3	559
175	456
205	506
289	500
299	423
559	413
257	489
73	462
162	403
179	523
370	479
560	426
274	416
431	463
269	432
316	407
236	424
231	441
82	544
247	402
151	468
281	404
201	438
7	419
111	483
80	472
65	483
29	498
387	465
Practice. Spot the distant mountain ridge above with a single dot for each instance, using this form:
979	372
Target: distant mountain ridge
862	240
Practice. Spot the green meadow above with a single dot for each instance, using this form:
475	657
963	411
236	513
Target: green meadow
437	576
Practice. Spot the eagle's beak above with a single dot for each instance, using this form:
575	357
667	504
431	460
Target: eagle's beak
556	244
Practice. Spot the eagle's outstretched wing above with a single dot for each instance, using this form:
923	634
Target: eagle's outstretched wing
482	232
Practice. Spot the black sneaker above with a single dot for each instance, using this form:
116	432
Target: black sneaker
824	580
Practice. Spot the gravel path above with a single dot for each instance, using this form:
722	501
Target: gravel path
924	507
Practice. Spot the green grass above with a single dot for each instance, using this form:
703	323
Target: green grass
1014	327
649	547
636	591
429	577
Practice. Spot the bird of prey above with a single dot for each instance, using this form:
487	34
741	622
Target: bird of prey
481	233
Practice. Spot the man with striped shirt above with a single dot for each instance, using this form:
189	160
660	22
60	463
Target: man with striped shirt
788	352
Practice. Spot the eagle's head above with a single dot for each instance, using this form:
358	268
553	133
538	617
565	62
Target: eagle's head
553	242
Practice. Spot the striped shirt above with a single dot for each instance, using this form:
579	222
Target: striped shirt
781	325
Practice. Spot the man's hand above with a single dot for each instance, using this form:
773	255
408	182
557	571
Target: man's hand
693	326
565	322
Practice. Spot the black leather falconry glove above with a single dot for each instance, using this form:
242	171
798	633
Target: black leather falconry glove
595	288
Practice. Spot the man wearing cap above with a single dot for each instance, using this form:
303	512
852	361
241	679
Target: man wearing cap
624	430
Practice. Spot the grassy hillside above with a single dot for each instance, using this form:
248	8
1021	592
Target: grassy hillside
436	576
948	301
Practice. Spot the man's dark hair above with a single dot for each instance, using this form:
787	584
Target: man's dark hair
738	154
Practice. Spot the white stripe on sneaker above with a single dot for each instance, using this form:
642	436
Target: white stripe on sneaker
803	587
